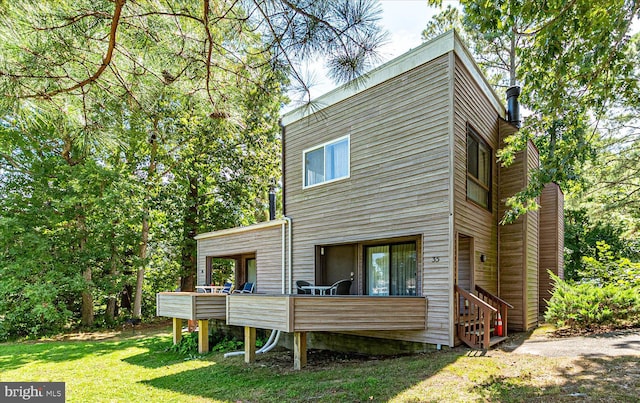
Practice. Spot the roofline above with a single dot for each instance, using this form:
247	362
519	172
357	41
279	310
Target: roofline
238	230
441	45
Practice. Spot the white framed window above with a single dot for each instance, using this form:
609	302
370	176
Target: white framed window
327	162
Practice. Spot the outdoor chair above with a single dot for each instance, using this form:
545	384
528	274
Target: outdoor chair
226	289
341	287
300	284
246	289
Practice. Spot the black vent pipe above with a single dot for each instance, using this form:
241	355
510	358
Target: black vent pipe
513	106
272	203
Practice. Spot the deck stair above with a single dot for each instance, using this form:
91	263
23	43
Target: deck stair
477	316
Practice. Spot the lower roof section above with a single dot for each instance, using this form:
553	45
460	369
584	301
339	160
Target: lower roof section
239	230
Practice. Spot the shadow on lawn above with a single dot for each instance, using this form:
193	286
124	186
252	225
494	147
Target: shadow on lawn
326	377
594	378
16	355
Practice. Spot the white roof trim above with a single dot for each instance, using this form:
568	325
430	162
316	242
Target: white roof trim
238	230
445	43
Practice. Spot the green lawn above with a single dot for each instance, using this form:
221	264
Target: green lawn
136	368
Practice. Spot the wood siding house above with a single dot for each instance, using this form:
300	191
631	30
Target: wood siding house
394	185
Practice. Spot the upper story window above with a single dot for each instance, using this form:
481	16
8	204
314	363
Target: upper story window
327	162
478	170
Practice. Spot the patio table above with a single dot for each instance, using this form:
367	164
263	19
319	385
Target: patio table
317	289
210	288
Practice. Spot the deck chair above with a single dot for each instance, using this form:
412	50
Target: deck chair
341	287
300	284
246	289
226	289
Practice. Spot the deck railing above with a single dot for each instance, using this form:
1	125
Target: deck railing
474	319
501	305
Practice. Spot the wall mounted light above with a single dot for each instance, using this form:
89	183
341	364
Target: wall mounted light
483	258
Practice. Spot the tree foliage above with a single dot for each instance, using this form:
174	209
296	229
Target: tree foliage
573	60
130	126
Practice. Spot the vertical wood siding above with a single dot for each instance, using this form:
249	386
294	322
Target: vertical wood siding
266	243
532	247
551	240
519	246
399	182
512	244
473	108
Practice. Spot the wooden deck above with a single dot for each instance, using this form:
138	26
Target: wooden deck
295	314
306	313
191	305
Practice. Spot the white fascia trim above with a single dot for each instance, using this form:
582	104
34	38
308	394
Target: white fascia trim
444	43
238	230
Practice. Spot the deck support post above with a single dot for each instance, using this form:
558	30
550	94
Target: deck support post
177	330
299	350
249	344
203	336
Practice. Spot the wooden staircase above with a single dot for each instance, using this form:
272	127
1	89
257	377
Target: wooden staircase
477	316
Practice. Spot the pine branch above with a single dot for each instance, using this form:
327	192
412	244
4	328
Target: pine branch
119	4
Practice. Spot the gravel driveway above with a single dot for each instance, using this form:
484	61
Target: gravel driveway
617	343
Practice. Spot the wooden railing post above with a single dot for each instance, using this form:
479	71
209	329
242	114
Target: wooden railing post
474	327
501	305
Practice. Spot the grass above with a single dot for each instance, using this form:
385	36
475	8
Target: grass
127	367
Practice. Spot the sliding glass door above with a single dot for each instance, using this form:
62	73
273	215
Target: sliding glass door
391	269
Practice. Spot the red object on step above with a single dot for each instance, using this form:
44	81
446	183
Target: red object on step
499	330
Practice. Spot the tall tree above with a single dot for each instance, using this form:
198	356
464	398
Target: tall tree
571	58
187	91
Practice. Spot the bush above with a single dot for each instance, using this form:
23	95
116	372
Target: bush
589	305
606	268
188	344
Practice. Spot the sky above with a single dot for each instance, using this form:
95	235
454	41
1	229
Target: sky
403	19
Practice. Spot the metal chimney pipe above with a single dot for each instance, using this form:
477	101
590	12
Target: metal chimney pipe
272	203
513	106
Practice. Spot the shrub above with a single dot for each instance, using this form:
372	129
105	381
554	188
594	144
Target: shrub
606	268
188	344
589	305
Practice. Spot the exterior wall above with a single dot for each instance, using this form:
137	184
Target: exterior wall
399	182
551	253
532	243
518	252
264	241
473	108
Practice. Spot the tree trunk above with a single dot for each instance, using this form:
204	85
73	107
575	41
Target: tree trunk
87	297
87	300
512	58
110	313
189	246
144	242
144	236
